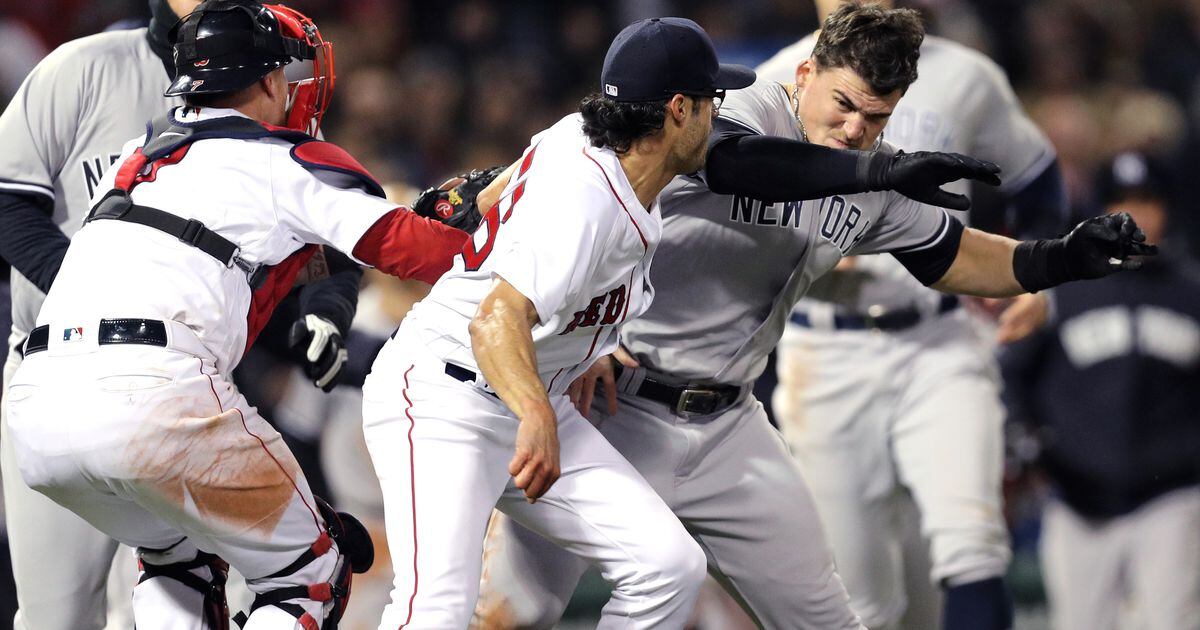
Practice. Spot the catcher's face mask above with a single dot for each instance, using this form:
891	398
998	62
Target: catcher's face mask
311	76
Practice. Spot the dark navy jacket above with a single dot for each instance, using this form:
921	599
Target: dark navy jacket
1113	387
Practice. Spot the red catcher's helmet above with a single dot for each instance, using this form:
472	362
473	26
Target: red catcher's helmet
224	46
309	93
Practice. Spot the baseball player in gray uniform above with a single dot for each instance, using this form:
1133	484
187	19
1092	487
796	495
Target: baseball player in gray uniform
888	391
63	129
730	270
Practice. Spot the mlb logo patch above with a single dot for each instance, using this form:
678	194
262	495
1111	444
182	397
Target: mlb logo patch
610	89
73	334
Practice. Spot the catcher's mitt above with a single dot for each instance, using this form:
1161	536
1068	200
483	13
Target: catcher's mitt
453	203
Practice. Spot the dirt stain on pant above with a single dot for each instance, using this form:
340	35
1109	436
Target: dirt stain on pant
224	469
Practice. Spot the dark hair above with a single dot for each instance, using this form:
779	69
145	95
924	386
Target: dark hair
211	99
880	45
608	123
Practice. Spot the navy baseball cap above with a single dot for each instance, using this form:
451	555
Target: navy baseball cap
1134	175
655	58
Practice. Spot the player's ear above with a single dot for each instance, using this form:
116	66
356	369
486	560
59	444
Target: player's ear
274	84
805	72
677	108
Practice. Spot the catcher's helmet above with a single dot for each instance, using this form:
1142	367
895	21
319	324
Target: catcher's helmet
227	45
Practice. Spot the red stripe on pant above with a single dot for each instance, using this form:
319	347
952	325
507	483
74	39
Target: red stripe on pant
412	476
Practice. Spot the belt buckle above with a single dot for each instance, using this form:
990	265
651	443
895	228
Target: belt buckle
871	318
691	399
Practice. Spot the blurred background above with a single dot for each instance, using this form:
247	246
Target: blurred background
426	88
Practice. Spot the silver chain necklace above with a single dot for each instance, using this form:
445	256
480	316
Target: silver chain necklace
795	98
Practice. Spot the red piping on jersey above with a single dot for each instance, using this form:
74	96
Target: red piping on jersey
614	192
629	298
412	477
555	378
520	189
594	339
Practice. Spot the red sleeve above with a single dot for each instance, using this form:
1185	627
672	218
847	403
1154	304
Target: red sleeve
409	246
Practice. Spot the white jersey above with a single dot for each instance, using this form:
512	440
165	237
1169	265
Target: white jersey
734	267
66	126
252	192
961	102
571	236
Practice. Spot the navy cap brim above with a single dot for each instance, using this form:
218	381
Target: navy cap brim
731	76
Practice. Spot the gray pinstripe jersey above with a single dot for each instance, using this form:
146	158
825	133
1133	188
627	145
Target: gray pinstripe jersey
961	102
729	269
66	126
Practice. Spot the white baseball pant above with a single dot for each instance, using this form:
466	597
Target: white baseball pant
154	447
60	563
873	417
441	449
731	481
1138	570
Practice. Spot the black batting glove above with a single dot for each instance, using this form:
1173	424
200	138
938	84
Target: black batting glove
920	175
1095	248
322	349
453	203
1103	245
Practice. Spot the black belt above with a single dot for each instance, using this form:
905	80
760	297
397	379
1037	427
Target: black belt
465	375
890	321
691	400
149	332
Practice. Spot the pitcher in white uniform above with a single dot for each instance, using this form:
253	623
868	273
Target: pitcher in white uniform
480	367
729	269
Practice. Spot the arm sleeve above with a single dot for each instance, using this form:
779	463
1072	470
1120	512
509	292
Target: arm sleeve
405	245
742	162
929	263
329	209
923	238
335	298
29	239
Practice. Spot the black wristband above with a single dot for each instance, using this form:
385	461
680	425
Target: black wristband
1041	264
873	167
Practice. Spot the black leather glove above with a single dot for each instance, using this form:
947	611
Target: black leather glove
453	203
1095	248
920	175
321	347
1102	245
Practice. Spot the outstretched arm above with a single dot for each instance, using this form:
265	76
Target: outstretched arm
773	169
404	245
994	266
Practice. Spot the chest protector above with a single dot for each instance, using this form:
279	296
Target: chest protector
167	142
